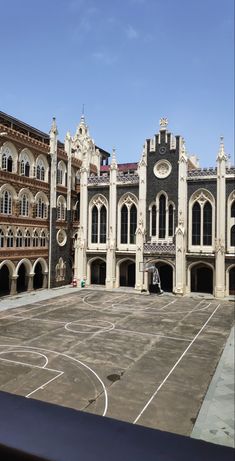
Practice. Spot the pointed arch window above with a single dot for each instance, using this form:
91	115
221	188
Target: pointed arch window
1	238
99	224
25	166
162	217
24	205
196	224
128	223
43	239
61	208
7	159
41	208
207	224
233	210
6	202
10	239
40	170
19	239
232	236
35	239
153	212
124	224
27	239
171	220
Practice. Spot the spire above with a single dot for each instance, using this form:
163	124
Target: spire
114	156
163	122
83	115
53	129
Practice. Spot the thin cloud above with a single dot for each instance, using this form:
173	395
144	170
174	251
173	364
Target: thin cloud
104	57
131	33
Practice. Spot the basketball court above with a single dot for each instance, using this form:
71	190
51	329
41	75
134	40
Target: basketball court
145	359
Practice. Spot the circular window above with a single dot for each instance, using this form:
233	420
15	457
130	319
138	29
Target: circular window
162	169
162	150
61	237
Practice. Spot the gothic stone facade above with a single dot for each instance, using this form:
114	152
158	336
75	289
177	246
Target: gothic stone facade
65	212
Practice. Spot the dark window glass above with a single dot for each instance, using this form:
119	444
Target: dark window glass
232	236
233	210
207	224
103	220
171	220
154	216
27	169
124	224
162	217
133	223
94	225
9	164
196	224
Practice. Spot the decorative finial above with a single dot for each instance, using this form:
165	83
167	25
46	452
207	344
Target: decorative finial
163	123
83	114
114	155
53	126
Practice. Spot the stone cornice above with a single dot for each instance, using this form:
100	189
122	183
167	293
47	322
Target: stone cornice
25	181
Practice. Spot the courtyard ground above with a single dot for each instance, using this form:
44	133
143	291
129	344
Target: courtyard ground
143	359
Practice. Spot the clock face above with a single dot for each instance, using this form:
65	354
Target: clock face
162	150
162	169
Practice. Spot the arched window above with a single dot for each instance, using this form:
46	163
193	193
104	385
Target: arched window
27	239
60	270
207	224
61	174
1	238
133	223
40	170
61	208
41	208
128	223
7	158
10	238
25	166
124	224
162	217
35	239
153	212
232	236
43	239
94	225
103	224
6	202
24	205
19	238
233	210
196	224
171	221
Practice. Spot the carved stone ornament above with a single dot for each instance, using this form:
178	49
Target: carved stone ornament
163	123
162	169
202	196
99	201
61	237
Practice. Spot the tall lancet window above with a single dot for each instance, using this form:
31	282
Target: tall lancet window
98	224
207	224
153	221
196	224
124	224
162	217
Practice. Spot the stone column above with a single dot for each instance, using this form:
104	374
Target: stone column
80	271
30	282
44	280
111	281
13	290
180	233
220	224
141	220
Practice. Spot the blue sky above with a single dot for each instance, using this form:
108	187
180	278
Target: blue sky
130	62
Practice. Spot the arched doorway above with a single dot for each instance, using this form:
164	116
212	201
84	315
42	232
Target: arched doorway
4	281
166	277
127	274
98	272
22	281
202	279
38	277
232	281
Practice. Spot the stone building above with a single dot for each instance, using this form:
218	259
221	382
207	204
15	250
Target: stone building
66	211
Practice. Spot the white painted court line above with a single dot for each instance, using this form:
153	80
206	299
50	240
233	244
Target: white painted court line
16	346
110	326
45	384
177	363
